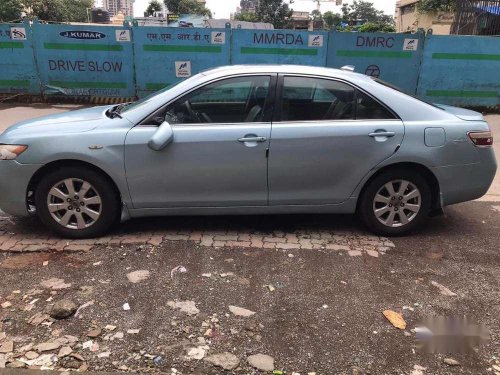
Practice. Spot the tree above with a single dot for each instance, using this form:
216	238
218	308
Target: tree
276	12
187	7
364	10
331	19
316	15
427	6
154	6
10	10
246	16
77	10
371	27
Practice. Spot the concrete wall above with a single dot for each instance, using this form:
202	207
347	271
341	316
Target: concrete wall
118	63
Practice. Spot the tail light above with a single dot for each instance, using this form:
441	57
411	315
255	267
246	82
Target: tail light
481	139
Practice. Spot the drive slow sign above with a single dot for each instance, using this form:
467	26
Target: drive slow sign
82	34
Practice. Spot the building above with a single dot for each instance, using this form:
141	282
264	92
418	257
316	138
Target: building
477	18
248	6
408	19
126	7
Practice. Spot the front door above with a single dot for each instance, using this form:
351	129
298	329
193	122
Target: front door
218	154
327	137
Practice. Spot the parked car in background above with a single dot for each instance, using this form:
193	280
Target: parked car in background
258	139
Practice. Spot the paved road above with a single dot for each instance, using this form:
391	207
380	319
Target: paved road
318	286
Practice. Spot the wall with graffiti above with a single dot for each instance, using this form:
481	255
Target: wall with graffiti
112	63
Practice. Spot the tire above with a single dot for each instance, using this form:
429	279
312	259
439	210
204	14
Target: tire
77	217
376	196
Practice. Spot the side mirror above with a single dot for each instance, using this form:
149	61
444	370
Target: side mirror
163	136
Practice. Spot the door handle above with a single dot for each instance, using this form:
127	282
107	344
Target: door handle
382	134
252	139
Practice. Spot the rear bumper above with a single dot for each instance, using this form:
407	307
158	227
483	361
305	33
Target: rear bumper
462	183
14	180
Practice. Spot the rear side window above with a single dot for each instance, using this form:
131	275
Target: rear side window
316	99
368	108
313	99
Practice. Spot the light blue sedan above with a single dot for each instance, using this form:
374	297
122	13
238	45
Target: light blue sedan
249	140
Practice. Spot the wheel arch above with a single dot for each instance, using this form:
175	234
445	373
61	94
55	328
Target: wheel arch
416	167
54	165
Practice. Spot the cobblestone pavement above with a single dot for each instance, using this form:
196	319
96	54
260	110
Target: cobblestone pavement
25	235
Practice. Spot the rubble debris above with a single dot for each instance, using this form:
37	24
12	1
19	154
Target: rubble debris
225	360
133	331
7	347
93	333
47	346
126	306
64	351
63	308
443	290
6	304
261	362
240	311
55	284
85	305
38	318
138	276
451	362
188	307
198	352
418	370
178	269
395	318
110	327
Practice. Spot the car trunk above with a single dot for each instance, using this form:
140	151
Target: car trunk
461	113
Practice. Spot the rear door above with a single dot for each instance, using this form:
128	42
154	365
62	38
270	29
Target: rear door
327	135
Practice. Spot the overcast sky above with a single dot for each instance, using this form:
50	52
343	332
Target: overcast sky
223	8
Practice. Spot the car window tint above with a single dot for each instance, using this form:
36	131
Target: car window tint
368	108
233	100
312	99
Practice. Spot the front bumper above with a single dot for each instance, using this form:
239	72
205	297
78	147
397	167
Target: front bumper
14	181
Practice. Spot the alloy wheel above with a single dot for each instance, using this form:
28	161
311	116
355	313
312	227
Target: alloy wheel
397	203
74	203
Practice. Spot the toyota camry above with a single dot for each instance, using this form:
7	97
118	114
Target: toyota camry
260	139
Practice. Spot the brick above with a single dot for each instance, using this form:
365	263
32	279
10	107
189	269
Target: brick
156	240
354	253
176	237
226	238
238	244
287	246
274	239
372	253
38	247
76	247
196	236
8	244
337	247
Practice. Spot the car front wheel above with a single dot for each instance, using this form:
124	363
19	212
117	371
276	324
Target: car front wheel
77	202
395	202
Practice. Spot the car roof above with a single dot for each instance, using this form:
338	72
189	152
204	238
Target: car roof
285	69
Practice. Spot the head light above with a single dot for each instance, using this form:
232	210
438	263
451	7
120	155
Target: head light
10	152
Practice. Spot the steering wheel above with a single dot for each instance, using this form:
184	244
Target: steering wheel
191	111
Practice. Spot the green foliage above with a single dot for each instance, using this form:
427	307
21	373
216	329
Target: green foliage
10	10
364	10
46	10
316	15
187	7
331	19
247	16
276	12
154	6
428	6
371	27
77	10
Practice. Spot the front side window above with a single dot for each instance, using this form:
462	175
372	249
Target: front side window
313	99
232	100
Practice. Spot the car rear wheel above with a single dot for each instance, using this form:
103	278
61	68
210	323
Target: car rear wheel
77	202
395	202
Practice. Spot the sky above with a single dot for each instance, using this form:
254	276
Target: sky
223	8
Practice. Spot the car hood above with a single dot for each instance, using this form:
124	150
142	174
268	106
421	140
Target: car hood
78	121
464	114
